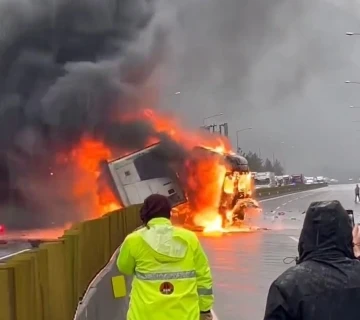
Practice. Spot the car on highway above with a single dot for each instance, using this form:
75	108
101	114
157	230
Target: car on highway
309	180
320	179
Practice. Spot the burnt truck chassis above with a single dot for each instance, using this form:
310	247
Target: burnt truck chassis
233	202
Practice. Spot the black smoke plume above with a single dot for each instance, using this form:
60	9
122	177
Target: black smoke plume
67	69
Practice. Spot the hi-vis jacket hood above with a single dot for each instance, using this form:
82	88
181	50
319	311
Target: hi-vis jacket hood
327	234
162	238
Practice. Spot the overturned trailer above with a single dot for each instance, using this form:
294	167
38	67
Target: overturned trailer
142	173
148	171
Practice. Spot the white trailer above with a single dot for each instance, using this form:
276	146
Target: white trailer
145	172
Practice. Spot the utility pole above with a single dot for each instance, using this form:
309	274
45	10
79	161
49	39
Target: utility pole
213	128
224	129
237	138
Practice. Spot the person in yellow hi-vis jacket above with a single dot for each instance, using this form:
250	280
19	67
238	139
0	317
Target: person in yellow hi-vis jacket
172	277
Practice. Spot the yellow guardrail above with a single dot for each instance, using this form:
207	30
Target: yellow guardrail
47	283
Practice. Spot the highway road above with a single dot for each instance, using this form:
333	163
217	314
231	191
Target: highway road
12	248
245	264
17	241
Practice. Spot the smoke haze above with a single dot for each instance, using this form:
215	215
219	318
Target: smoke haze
276	66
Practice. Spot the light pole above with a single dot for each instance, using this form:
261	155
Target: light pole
352	33
237	137
213	116
283	148
352	82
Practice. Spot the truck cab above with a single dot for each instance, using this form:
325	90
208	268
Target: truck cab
233	204
298	179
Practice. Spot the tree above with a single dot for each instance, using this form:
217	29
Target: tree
278	168
255	162
268	166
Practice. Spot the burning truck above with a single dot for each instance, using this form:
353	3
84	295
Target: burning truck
137	175
209	186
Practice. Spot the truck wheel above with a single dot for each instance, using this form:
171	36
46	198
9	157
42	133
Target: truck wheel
239	214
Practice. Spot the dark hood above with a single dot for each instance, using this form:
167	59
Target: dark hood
327	233
155	206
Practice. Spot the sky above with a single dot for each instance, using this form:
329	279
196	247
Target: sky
276	66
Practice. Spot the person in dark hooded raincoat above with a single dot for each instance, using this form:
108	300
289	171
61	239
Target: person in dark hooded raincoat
325	283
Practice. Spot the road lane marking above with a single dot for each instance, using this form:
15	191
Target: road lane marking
13	254
294	238
284	204
310	192
288	195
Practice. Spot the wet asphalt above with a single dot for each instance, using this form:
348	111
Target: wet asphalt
245	264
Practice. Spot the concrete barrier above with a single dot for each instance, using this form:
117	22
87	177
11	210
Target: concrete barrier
264	193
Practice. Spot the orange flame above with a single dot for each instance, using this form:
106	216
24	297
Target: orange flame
89	183
203	179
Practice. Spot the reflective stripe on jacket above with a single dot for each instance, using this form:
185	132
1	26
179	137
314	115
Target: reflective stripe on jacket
172	278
